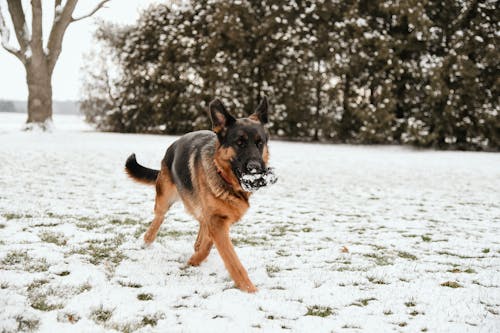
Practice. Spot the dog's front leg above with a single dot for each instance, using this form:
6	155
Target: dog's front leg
219	232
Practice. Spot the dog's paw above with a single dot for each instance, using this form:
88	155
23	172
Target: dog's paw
146	242
148	239
194	262
249	288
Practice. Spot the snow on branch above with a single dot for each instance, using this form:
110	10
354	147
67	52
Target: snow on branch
92	12
19	21
5	36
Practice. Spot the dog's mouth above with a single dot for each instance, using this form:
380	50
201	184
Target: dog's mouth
252	181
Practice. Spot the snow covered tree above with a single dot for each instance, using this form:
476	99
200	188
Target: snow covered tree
38	59
359	71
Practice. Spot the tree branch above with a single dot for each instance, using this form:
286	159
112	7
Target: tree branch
5	36
62	18
21	29
92	12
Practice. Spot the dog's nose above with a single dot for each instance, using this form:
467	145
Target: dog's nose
254	167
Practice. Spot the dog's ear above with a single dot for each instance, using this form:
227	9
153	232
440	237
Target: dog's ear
260	113
221	119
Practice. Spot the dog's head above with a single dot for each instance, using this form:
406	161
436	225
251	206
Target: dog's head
242	147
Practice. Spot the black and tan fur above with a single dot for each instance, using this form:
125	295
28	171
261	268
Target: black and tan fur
201	168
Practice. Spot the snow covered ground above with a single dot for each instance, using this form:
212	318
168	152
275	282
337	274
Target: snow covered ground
350	239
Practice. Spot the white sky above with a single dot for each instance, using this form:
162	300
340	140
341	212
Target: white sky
77	42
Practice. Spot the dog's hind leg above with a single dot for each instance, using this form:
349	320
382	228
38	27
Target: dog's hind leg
202	246
166	195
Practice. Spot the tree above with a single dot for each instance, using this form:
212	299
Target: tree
356	71
39	60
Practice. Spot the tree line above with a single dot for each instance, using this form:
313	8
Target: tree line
375	71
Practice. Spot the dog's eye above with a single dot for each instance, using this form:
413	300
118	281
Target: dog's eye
241	142
259	144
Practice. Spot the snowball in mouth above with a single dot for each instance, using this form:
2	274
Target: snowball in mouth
252	181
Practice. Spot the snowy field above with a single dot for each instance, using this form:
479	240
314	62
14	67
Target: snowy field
350	239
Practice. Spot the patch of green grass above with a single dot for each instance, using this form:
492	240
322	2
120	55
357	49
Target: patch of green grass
411	303
101	315
152	319
38	295
53	237
279	230
461	256
282	253
458	270
63	273
388	312
100	251
2	225
45	225
406	255
451	284
378	247
15	216
402	324
15	257
40	303
129	284
380	260
363	301
139	231
145	297
252	241
319	311
86	223
18	259
26	324
426	238
486	250
351	326
493	311
37	284
277	288
307	229
84	287
271	270
175	234
376	280
415	313
126	221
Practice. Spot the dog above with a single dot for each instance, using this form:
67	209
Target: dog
204	169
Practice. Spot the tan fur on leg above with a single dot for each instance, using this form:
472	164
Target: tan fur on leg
166	194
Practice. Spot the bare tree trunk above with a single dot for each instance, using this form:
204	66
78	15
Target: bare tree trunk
39	94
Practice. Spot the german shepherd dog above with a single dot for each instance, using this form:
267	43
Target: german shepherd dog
204	169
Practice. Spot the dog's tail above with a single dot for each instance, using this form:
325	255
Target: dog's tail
139	173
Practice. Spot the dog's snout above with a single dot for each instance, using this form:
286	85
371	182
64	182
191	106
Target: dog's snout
254	167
